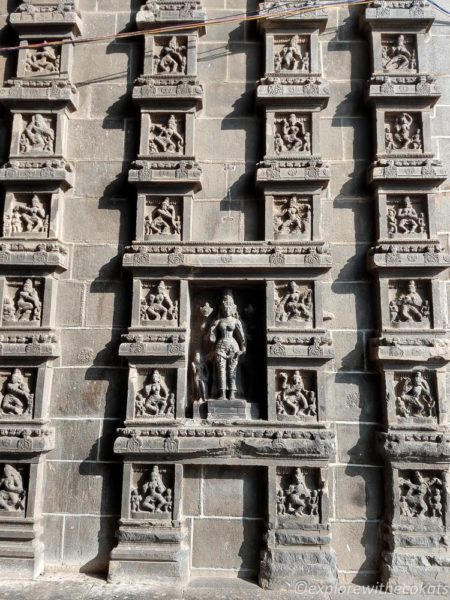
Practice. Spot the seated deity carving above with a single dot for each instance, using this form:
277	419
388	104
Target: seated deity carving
405	219
12	493
414	397
163	220
155	399
43	60
166	138
200	376
158	305
172	58
293	398
17	400
402	134
292	135
409	307
38	136
291	57
297	499
25	307
397	57
154	496
296	304
292	217
420	496
26	218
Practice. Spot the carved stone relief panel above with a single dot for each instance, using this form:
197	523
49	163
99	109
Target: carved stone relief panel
166	134
38	134
13	489
170	55
292	53
162	218
407	216
294	304
159	303
156	394
17	388
403	132
415	395
399	52
292	133
22	302
410	304
41	62
295	394
27	215
422	497
151	493
299	492
292	217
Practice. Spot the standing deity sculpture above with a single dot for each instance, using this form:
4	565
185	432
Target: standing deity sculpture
155	399
200	376
292	217
291	57
154	496
409	307
158	305
166	138
420	496
38	136
12	493
398	57
172	58
25	307
17	400
292	134
295	304
163	220
43	61
405	219
293	398
228	338
297	499
414	396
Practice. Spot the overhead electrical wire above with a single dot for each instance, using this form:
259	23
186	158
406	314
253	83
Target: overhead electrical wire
242	17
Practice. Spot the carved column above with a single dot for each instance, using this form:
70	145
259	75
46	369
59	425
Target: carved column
36	179
413	347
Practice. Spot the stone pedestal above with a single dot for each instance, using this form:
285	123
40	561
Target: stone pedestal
227	409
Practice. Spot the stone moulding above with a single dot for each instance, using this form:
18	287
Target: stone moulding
303	89
187	443
385	14
23	92
57	17
26	439
395	87
153	344
293	170
38	172
170	11
182	171
148	91
405	169
313	345
312	17
415	446
39	255
30	345
415	348
400	256
247	255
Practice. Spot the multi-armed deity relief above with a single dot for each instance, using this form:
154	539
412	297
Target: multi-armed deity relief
292	133
38	135
152	494
22	303
159	303
42	61
155	399
26	218
421	495
296	497
292	53
406	218
171	55
293	398
292	217
12	492
414	395
409	304
16	398
164	219
294	303
402	132
166	135
399	53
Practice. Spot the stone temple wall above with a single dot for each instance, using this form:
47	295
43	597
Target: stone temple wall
279	171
